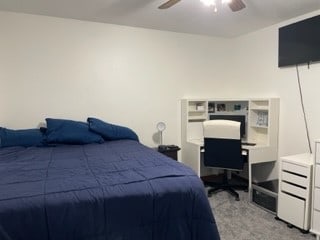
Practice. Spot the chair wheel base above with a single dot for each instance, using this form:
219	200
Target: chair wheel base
224	188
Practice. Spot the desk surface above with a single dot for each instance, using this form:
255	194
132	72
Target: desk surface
199	142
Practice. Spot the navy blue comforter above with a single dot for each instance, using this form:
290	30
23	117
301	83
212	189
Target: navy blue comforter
118	190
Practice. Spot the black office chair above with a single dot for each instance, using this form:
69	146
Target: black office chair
222	149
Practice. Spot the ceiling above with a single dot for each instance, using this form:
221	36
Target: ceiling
187	16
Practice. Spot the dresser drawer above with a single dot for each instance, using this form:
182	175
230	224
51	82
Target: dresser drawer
297	191
296	179
317	198
316	221
317	178
291	209
290	167
318	153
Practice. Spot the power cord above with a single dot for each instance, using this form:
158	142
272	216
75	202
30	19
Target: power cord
303	109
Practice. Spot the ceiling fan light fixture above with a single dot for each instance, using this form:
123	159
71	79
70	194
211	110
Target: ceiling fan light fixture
234	5
209	3
226	1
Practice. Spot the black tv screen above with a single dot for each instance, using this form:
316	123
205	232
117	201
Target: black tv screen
299	42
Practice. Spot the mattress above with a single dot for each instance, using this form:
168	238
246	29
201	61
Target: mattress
117	190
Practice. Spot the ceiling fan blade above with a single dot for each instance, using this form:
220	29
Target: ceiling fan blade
168	4
236	5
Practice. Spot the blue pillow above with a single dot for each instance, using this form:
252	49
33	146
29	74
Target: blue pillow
70	132
23	137
110	131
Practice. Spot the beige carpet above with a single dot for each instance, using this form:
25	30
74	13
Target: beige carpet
241	220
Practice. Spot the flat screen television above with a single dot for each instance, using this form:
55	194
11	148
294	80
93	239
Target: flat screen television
237	118
299	42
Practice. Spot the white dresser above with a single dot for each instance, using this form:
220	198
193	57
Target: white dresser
294	197
315	213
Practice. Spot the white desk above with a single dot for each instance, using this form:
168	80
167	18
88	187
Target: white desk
262	124
256	154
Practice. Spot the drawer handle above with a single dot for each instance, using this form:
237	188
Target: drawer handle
294	173
294	184
292	195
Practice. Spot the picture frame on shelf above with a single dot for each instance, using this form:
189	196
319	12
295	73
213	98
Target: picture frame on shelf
221	107
211	107
237	107
200	107
262	119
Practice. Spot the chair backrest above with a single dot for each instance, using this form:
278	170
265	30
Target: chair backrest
222	144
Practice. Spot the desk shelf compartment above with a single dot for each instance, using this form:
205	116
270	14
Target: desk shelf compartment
263	121
197	111
259	118
265	195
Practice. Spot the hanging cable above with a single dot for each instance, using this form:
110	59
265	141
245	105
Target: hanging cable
303	109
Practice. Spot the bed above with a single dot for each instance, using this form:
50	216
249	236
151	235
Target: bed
117	189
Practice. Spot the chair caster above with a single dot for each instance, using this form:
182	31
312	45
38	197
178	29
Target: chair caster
304	231
237	199
289	225
277	218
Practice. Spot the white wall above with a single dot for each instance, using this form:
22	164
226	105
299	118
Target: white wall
257	74
53	67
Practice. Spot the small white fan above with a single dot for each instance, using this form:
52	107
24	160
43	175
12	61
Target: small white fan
161	126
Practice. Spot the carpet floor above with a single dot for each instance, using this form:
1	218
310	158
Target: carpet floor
242	220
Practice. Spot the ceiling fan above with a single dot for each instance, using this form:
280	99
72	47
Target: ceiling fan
235	5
